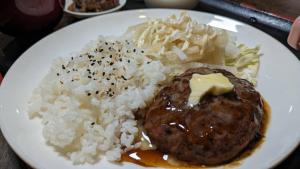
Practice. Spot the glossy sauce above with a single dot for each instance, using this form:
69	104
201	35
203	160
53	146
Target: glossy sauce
154	158
258	141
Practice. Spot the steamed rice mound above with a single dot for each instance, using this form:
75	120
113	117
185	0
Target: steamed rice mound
86	101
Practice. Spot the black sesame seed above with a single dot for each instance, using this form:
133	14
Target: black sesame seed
120	60
61	82
89	94
109	89
148	62
110	56
72	58
109	48
110	95
123	77
72	80
90	77
101	50
63	67
128	61
80	56
57	74
68	71
107	78
103	73
112	83
127	51
119	50
142	51
126	88
106	43
134	50
102	57
92	123
114	68
97	92
92	64
111	63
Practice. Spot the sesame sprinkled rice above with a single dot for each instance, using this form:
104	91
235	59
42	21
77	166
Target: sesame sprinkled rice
86	101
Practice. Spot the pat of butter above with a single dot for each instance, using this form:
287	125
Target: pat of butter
215	84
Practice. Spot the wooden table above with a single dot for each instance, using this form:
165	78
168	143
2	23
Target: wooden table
11	48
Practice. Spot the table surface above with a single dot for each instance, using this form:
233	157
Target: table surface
11	48
276	6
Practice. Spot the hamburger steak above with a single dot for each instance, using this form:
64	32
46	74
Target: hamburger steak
212	132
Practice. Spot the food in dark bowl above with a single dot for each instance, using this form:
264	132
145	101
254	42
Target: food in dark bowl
213	131
93	5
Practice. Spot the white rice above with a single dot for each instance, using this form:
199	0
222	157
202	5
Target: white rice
86	114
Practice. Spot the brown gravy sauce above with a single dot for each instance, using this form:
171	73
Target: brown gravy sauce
154	158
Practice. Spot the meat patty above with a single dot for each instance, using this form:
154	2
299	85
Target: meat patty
212	132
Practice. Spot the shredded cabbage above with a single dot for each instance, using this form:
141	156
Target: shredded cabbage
178	41
246	63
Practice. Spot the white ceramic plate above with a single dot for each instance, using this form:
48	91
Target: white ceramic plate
90	14
278	82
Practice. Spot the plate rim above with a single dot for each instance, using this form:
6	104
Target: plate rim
33	164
